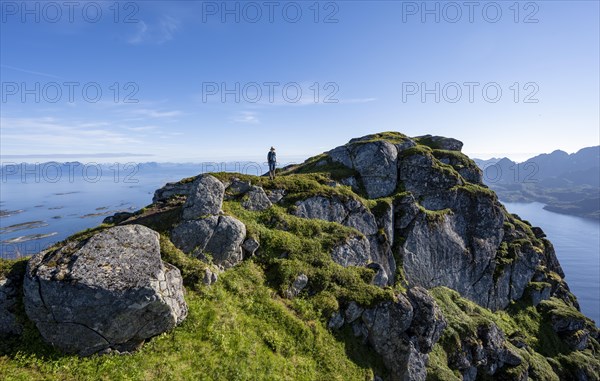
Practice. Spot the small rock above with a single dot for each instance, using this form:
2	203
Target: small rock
353	312
117	218
257	200
297	286
275	195
210	277
250	246
238	187
170	190
336	321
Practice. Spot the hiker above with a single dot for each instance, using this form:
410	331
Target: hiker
272	159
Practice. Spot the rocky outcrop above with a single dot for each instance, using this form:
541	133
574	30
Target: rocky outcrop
402	331
356	251
109	292
440	142
205	198
257	199
483	355
206	234
216	239
172	189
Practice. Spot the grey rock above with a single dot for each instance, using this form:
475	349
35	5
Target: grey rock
275	195
428	321
381	277
341	155
189	235
210	277
297	286
110	292
322	208
257	199
404	331
225	243
351	213
9	296
250	246
351	182
459	249
376	163
170	190
336	321
359	217
205	198
353	312
485	353
355	251
218	238
238	187
117	218
420	176
537	295
381	255
441	142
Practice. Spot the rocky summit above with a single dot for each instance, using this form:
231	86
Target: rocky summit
386	258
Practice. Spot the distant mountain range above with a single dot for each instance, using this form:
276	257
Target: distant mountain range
566	183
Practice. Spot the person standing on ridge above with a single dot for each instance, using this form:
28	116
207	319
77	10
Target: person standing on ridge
272	159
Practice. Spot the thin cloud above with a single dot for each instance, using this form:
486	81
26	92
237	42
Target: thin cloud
30	71
75	155
150	113
246	117
162	31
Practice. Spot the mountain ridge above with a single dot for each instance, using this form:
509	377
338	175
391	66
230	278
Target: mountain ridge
390	245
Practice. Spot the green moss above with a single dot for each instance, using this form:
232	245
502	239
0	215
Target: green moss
436	216
393	137
546	356
324	164
291	245
416	150
236	330
437	367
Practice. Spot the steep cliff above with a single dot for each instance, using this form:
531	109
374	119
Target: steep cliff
386	257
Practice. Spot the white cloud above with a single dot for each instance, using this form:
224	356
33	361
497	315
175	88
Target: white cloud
155	33
153	113
246	117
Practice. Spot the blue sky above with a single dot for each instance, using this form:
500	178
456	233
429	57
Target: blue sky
370	61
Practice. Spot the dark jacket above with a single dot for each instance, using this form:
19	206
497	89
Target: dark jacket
272	157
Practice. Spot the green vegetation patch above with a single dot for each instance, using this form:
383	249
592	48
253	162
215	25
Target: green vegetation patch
238	329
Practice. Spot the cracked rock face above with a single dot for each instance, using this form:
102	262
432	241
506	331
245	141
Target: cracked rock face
205	197
356	251
110	292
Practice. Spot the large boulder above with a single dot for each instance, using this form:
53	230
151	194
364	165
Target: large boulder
205	197
109	292
215	238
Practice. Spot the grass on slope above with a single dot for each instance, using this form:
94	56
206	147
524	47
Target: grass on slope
238	329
